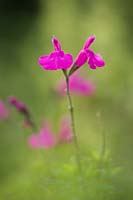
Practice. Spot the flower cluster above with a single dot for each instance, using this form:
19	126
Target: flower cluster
59	60
75	83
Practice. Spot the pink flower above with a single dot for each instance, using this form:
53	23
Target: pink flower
4	114
65	134
57	59
77	84
46	139
94	60
34	141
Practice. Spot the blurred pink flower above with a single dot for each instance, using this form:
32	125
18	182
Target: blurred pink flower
65	134
94	60
46	139
4	114
34	141
57	59
77	84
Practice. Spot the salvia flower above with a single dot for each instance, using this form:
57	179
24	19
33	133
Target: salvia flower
87	55
77	84
57	59
22	109
95	60
4	114
18	105
46	138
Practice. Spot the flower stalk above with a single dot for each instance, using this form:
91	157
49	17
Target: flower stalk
71	110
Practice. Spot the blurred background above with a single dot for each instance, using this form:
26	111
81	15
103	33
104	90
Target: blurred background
26	28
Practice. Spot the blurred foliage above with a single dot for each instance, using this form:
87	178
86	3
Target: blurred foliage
25	34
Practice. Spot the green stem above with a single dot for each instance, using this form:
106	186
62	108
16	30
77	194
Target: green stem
71	109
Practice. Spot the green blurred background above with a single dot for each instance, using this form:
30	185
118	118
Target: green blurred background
26	28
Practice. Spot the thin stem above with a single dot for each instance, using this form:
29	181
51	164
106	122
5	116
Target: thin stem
31	123
73	69
71	109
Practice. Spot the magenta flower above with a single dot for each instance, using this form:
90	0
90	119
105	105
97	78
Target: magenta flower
86	55
57	59
4	114
77	84
18	105
22	109
46	139
95	60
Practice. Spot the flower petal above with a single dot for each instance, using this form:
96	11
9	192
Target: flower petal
81	59
34	141
91	63
98	60
56	44
95	60
56	60
89	42
46	136
67	61
43	59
